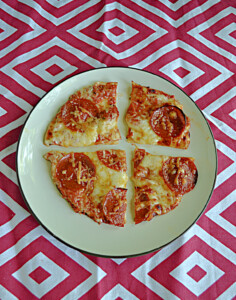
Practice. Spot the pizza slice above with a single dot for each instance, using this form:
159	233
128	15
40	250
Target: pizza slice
94	183
89	117
160	182
156	118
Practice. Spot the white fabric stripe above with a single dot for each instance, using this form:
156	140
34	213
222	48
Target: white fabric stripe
214	213
228	172
226	150
8	172
195	32
119	291
176	23
25	37
58	21
220	101
222	126
8	150
20	214
13	125
6	295
230	293
225	175
15	99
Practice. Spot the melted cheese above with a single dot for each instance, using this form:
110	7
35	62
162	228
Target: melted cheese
162	199
106	178
142	132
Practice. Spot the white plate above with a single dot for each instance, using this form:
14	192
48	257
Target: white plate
79	231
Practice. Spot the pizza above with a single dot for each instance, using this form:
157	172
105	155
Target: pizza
156	118
89	117
160	183
94	183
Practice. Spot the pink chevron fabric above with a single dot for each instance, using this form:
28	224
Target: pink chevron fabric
191	43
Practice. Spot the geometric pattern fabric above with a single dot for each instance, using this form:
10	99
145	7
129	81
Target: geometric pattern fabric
191	43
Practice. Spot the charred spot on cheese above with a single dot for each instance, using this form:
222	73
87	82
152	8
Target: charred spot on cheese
180	174
168	121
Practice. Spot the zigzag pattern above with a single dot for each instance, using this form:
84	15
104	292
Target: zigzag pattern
191	43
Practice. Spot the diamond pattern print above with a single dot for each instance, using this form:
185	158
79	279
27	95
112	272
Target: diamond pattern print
152	31
23	275
196	273
125	31
41	69
190	43
197	287
39	275
192	72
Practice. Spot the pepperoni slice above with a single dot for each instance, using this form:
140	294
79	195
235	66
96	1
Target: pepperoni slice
180	174
76	172
114	206
168	121
140	215
76	111
112	159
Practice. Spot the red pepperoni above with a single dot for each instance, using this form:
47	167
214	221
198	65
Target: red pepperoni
112	159
76	172
168	121
180	174
114	206
140	215
76	111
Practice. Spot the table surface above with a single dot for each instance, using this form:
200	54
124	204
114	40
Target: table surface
190	43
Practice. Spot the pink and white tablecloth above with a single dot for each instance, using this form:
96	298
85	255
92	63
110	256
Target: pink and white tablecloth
191	43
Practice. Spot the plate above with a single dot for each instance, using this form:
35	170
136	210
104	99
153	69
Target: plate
79	231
